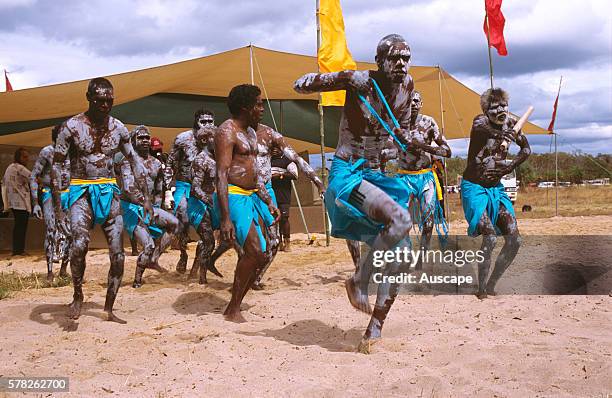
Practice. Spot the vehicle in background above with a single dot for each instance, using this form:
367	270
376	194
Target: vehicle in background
598	182
510	185
551	184
546	184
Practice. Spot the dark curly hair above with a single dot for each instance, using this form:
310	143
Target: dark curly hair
492	94
18	153
98	81
242	96
55	132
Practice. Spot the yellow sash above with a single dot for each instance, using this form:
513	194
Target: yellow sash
424	171
78	181
236	190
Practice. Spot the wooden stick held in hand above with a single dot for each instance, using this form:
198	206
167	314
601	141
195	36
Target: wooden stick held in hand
519	124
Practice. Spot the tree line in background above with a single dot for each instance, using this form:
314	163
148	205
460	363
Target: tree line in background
573	167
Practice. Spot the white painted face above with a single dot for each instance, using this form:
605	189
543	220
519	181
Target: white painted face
142	142
498	111
205	121
397	61
101	100
417	103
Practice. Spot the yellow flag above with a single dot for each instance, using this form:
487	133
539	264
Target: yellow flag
334	55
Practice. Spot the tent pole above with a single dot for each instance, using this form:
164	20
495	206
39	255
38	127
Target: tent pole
446	202
322	136
251	62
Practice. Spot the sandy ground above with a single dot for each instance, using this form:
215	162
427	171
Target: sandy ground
301	334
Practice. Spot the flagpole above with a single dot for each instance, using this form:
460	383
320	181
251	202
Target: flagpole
446	202
489	45
557	159
322	134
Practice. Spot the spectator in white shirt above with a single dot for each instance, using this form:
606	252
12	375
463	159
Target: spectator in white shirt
16	196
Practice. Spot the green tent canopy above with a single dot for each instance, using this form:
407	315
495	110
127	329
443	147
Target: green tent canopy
164	98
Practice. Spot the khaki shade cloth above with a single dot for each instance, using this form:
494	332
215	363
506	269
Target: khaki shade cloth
165	98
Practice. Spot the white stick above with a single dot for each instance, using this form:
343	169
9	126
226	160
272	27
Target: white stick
519	125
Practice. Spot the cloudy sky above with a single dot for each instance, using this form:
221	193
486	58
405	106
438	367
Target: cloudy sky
44	42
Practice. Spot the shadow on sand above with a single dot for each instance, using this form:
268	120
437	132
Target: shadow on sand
314	332
48	314
199	303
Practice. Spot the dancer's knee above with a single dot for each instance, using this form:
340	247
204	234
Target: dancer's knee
514	242
489	242
401	223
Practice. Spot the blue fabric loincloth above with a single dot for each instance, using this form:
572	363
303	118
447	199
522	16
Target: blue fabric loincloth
131	214
100	196
347	221
196	210
271	192
181	189
415	184
476	199
46	195
245	209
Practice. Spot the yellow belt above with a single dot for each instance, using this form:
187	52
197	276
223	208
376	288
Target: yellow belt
236	190
78	181
424	171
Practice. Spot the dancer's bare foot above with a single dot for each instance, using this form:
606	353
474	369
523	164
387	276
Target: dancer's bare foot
481	294
50	276
113	318
181	266
365	345
74	311
63	273
357	299
234	317
211	267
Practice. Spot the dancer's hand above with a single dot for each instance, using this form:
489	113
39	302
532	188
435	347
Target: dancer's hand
508	135
320	186
228	233
37	211
148	211
275	213
62	223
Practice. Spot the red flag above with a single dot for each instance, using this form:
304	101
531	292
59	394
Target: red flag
551	126
495	30
8	83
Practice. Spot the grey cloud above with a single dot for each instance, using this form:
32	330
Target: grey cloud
113	30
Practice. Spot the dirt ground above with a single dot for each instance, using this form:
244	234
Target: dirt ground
301	334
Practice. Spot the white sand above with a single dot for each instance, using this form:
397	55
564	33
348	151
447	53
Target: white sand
301	335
